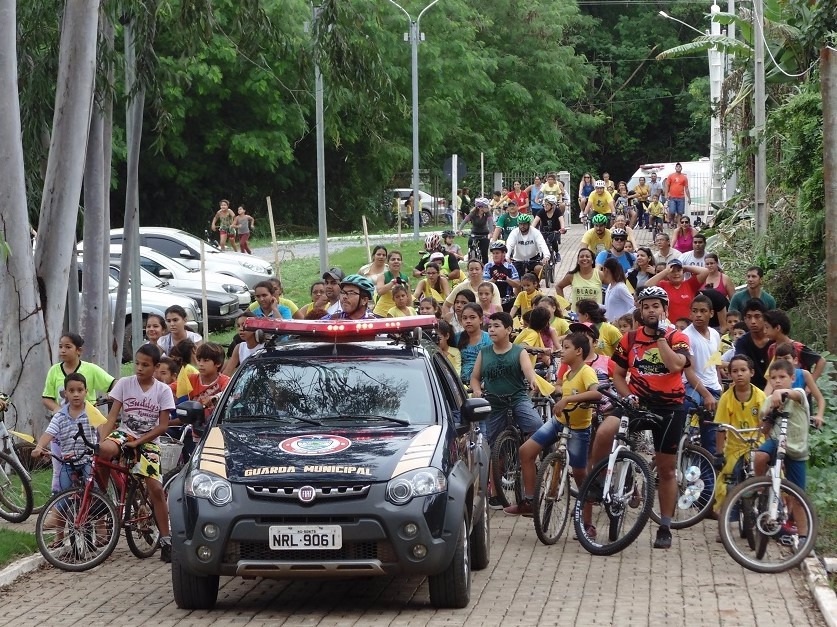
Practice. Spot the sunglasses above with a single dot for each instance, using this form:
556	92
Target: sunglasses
684	222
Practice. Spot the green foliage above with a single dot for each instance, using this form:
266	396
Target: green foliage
15	544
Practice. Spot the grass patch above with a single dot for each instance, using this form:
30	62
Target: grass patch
826	532
15	544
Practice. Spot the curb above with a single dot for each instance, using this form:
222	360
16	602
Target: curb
823	594
348	238
22	566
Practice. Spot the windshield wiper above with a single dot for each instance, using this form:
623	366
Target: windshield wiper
270	417
400	421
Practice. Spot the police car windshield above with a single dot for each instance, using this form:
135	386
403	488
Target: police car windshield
393	390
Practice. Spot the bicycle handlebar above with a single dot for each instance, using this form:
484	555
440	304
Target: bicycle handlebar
633	413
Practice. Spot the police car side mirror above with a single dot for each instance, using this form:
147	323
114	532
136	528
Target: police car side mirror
475	409
190	412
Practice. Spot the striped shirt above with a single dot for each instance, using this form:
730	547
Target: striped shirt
63	427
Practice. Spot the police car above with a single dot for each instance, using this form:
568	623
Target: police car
342	449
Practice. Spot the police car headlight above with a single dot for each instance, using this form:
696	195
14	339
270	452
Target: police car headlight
206	485
422	482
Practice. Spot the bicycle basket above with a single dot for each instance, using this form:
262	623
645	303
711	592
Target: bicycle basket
169	455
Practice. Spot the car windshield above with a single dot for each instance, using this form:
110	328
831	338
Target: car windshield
194	243
331	391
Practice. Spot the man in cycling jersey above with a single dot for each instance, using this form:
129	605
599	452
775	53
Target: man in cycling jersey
506	223
618	239
355	295
654	356
550	222
600	201
527	248
500	272
597	238
482	225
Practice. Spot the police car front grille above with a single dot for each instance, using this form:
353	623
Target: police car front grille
322	491
380	550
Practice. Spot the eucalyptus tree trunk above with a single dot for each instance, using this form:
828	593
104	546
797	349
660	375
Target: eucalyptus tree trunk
113	362
24	356
65	165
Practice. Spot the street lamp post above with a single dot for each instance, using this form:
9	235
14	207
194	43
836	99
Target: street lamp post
414	36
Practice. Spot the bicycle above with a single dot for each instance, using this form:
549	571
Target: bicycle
474	250
617	485
25	483
695	475
781	523
79	527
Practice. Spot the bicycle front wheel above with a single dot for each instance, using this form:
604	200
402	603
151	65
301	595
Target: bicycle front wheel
696	478
618	517
552	497
75	533
141	530
774	543
505	467
15	490
40	474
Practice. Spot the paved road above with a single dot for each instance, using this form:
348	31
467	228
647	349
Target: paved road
694	583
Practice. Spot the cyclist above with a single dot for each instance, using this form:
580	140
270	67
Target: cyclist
355	295
618	238
527	248
500	272
449	246
600	201
506	222
597	238
482	225
448	263
654	356
549	220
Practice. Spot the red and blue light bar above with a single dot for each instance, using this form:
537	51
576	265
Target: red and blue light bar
341	328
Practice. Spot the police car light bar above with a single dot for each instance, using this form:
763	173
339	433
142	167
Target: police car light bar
338	328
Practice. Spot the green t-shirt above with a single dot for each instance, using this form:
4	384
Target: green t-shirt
502	377
740	298
507	223
98	380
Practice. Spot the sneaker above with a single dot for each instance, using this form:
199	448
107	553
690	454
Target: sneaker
494	502
663	540
165	553
524	508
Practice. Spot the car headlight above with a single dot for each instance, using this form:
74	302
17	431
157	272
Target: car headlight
233	289
255	268
206	485
224	310
422	482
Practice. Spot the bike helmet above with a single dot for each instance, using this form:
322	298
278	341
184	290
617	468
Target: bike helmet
431	242
448	233
498	246
599	218
481	202
614	233
654	291
360	282
524	218
551	198
599	184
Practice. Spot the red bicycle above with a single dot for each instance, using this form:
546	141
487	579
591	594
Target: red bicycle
78	528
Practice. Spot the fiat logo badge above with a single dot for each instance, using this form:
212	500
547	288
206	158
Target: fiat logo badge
307	494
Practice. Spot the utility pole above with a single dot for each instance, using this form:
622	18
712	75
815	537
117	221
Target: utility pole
828	86
759	114
716	147
318	98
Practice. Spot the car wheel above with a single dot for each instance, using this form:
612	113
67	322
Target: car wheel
426	217
191	591
481	538
452	587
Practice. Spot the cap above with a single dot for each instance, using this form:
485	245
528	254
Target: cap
335	273
435	256
675	262
584	327
513	202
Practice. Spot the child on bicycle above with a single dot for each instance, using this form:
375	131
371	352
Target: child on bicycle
656	210
802	378
578	385
528	291
738	406
145	404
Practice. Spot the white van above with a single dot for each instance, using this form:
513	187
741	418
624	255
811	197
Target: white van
699	174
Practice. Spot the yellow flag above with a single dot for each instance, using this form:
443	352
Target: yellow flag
544	386
94	416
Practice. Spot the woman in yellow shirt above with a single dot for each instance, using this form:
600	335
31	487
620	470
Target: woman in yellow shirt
433	284
386	281
583	280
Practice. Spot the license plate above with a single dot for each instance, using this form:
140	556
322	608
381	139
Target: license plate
305	537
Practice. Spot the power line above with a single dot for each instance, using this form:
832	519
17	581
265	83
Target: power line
613	102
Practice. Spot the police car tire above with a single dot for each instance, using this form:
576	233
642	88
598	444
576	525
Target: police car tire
451	589
191	591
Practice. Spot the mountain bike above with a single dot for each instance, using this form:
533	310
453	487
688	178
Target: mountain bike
620	487
781	515
474	251
695	475
79	527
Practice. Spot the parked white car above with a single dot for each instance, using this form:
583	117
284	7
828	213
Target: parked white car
185	248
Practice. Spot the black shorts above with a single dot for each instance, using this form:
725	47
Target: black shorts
526	266
667	433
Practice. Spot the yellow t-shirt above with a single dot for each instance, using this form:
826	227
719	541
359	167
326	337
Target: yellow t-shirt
455	358
395	312
586	289
601	202
641	192
561	325
594	242
580	417
609	337
532	338
656	209
523	301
